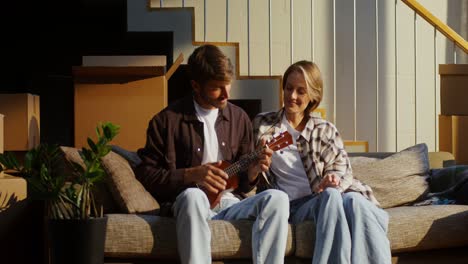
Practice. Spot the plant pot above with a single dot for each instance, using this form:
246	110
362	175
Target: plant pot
77	241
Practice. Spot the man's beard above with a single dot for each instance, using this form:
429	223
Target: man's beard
213	102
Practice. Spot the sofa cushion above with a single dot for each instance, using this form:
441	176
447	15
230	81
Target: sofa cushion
411	228
398	179
127	191
101	192
414	228
122	192
148	236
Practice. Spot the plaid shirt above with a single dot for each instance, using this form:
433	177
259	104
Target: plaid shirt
321	150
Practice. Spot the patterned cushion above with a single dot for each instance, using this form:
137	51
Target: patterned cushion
398	179
127	191
101	192
130	236
121	188
411	228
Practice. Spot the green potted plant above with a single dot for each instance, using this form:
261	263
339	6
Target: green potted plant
76	223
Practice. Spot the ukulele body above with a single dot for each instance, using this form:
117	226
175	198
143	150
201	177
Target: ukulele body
231	183
281	141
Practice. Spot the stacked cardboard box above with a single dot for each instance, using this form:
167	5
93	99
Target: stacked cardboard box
12	189
124	94
13	193
356	146
2	120
453	120
21	121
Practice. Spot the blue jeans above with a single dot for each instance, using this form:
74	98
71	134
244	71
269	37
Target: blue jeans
349	228
269	209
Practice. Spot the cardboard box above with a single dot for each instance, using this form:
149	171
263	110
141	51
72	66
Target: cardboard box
13	217
12	189
453	136
356	146
21	121
320	112
2	133
453	89
126	96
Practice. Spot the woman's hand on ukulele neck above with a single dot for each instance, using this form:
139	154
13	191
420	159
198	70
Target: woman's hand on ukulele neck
262	163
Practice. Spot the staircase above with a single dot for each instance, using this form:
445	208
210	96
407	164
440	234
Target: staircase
149	16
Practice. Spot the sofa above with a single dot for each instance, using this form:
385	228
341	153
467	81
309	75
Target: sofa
137	233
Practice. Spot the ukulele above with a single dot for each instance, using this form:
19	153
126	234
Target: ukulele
281	141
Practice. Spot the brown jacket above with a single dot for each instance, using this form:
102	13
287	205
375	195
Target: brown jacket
175	142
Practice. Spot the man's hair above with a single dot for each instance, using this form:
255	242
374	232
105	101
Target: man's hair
313	79
208	62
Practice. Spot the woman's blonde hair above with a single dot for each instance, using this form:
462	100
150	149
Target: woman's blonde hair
313	79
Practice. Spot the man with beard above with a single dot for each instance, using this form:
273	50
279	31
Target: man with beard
186	143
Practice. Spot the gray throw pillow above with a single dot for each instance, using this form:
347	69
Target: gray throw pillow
132	157
451	183
398	179
445	178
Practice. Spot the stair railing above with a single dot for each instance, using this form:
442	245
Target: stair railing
439	25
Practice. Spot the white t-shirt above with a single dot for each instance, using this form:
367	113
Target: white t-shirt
211	152
286	164
208	117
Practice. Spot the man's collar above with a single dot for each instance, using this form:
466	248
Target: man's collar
224	113
306	133
190	114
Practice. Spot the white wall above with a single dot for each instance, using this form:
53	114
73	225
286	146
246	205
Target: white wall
379	60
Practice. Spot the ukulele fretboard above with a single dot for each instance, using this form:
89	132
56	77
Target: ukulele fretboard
242	164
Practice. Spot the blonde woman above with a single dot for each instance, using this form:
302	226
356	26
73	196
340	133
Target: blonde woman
316	174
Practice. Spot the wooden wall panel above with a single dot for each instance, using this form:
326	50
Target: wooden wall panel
323	43
199	6
280	36
155	3
444	54
172	3
405	77
238	30
345	97
425	84
302	30
216	20
258	37
366	73
387	77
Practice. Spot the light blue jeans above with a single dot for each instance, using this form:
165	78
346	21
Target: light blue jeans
349	228
269	209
